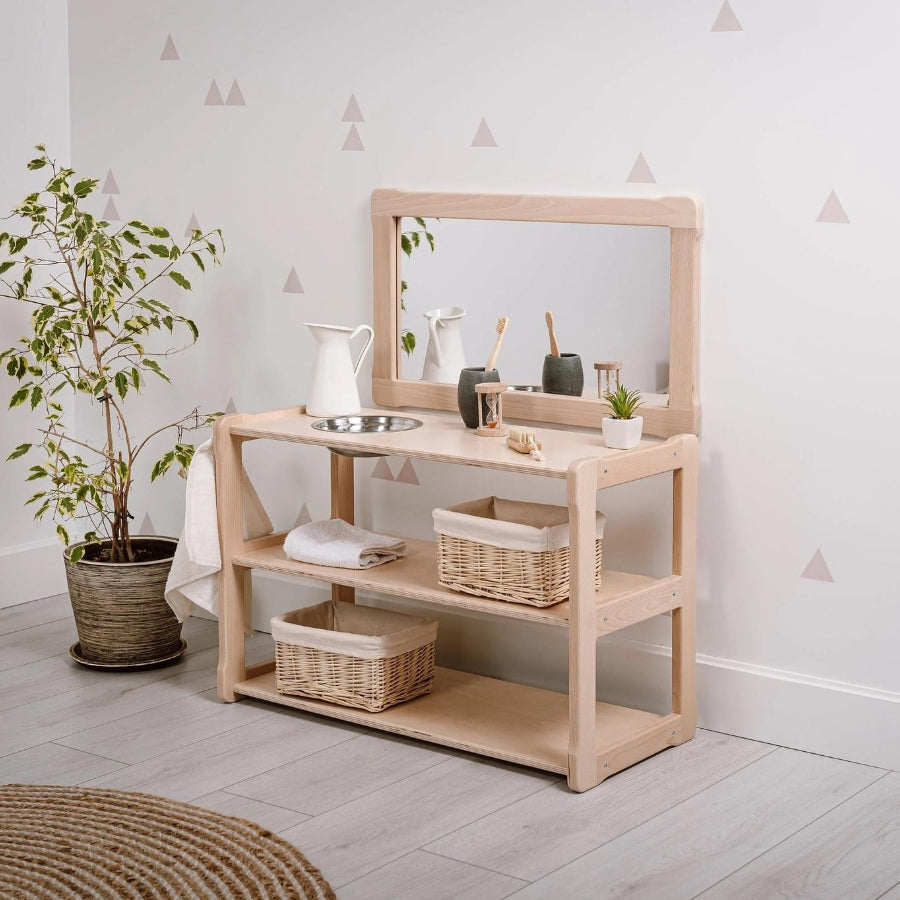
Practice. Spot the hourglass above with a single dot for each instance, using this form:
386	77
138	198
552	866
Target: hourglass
490	409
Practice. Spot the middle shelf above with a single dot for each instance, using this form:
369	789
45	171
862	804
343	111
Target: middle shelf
623	599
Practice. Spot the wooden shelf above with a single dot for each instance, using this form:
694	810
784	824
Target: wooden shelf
501	719
623	599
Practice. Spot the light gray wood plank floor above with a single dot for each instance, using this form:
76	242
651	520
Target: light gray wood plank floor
385	817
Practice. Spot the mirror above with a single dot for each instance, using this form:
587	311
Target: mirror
607	285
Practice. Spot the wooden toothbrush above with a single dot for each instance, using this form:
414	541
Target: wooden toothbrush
554	347
492	359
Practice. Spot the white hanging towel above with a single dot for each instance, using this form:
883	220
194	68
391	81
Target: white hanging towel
334	542
193	579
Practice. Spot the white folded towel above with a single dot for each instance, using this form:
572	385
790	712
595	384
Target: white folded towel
193	578
335	542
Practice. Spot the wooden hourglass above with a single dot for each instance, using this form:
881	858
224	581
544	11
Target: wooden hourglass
490	411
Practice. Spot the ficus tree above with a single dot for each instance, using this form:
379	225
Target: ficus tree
409	241
94	331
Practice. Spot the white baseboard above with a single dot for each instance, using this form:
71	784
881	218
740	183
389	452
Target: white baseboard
31	571
818	715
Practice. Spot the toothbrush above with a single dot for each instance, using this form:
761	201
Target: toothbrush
492	359
554	347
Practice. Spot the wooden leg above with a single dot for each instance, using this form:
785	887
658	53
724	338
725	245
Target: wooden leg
582	497
231	579
684	563
342	507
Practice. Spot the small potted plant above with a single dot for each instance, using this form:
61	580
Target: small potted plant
622	430
94	337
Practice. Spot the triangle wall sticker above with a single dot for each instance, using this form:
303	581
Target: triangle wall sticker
352	113
169	52
483	136
110	213
817	569
833	211
192	225
382	470
213	97
109	185
353	141
407	474
640	172
230	407
292	285
147	526
726	20
303	517
235	97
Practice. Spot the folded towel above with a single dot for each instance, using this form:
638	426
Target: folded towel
193	578
337	543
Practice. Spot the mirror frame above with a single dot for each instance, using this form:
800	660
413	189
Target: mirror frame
681	215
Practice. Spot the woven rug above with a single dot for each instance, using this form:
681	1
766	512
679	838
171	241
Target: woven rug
64	842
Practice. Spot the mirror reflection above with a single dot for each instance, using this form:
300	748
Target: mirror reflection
607	287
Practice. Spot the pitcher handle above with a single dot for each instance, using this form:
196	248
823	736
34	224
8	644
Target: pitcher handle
435	340
365	349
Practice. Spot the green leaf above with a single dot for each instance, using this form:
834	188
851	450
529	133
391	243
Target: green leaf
180	280
62	534
21	450
36	394
193	328
77	554
6	266
37	164
83	188
405	245
160	232
19	397
121	381
159	250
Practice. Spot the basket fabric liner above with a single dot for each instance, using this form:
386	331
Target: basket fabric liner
363	632
509	524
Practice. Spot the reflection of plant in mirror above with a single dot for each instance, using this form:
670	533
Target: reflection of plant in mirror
409	241
623	402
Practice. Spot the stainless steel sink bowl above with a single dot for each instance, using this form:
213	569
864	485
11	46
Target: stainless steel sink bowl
364	425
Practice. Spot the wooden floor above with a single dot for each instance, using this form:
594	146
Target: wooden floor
383	817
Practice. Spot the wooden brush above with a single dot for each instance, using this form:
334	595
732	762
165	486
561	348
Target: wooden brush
492	359
554	347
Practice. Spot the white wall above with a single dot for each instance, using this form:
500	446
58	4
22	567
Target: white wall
34	75
799	317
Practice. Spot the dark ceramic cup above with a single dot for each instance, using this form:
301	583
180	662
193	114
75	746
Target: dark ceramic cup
563	374
466	397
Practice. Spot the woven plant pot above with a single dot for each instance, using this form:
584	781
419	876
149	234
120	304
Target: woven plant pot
120	608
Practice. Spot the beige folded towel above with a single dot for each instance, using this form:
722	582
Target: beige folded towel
335	542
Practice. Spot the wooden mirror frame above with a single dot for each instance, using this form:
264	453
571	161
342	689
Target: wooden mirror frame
681	215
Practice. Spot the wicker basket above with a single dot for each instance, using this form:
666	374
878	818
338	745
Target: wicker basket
354	655
508	550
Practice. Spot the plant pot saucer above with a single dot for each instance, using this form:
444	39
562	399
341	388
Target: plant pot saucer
75	653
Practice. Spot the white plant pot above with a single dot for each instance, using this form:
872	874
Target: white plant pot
622	434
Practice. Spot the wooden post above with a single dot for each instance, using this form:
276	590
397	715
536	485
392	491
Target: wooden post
342	507
684	563
582	499
229	504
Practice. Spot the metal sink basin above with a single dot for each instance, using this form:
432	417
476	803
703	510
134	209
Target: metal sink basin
364	425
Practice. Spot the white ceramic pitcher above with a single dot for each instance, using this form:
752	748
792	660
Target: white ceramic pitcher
444	356
333	390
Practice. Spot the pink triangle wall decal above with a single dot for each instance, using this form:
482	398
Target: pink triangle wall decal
230	407
109	185
192	225
483	136
352	113
726	20
353	141
292	285
169	52
303	517
110	213
382	470
817	569
235	97
640	172
833	211
407	474
147	525
213	96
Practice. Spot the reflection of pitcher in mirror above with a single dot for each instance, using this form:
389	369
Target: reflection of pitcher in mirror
444	357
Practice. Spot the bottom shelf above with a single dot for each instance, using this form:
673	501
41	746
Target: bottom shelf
501	719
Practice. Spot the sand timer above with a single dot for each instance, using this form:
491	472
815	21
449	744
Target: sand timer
490	409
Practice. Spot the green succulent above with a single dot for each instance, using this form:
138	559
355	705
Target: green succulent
623	402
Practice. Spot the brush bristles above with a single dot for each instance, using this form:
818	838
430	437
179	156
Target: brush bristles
501	324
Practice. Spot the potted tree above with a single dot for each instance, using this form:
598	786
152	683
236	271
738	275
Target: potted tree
95	335
622	430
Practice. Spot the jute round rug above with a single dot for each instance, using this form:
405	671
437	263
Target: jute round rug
65	843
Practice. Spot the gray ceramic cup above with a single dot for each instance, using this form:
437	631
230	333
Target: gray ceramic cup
563	374
467	399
